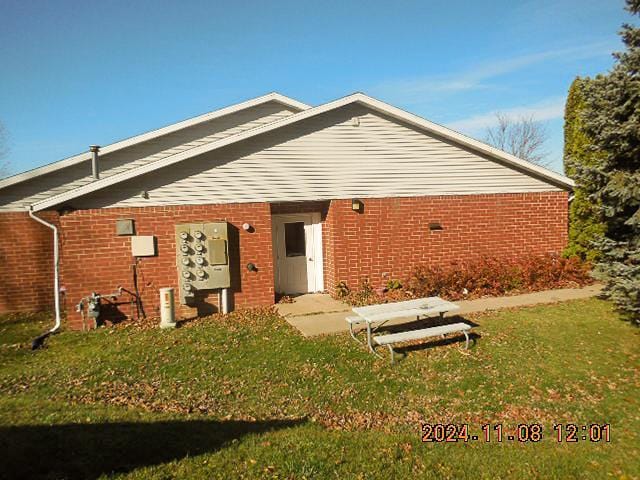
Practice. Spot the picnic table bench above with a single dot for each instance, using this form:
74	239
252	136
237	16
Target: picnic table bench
392	338
422	307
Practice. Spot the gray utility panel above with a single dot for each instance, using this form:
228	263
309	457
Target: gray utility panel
202	255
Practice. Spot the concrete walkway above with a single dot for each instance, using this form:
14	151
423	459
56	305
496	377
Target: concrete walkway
319	314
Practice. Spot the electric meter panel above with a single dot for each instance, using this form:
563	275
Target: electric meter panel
202	257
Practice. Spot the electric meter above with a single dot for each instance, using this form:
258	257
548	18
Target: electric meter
203	257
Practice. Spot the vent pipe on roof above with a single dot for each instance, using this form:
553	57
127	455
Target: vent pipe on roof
95	167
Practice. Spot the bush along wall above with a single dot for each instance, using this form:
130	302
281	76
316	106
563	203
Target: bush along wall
488	276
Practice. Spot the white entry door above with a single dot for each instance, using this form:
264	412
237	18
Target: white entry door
297	242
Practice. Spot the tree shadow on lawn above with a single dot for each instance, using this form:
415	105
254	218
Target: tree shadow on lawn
89	450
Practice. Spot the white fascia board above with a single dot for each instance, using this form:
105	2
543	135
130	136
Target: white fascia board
311	112
86	156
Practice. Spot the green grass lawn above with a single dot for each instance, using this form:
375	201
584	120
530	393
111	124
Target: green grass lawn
246	396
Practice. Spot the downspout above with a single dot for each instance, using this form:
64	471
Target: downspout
39	341
569	200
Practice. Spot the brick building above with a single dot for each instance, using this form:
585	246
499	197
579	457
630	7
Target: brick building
312	196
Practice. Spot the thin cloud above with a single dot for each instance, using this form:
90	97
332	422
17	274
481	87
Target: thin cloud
413	89
548	109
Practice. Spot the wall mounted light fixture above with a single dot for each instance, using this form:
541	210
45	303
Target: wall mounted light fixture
357	205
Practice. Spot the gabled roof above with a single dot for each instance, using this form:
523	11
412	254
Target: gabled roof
377	105
86	156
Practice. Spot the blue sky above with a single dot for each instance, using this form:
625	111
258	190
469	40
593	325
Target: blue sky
75	73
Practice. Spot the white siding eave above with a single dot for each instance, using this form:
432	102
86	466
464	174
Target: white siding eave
85	156
324	158
19	196
549	177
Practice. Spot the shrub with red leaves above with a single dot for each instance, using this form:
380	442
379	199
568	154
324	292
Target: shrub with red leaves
488	276
493	276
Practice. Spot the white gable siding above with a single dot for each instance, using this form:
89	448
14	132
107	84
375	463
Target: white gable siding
18	196
325	157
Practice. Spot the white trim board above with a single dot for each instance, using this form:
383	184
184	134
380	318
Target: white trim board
86	156
381	107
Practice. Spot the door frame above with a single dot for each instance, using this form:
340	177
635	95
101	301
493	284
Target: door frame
315	283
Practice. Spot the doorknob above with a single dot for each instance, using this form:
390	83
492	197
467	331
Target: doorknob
310	259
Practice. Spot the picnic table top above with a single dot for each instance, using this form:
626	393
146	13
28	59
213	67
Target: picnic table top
419	306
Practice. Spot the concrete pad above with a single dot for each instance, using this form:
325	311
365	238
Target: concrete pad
311	303
527	299
331	322
320	324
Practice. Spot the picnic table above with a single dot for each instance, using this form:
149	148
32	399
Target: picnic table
375	316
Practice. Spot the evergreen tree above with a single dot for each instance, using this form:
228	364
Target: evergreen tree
585	223
612	120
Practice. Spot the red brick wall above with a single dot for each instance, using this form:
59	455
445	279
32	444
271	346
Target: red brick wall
94	258
392	235
385	242
26	262
330	231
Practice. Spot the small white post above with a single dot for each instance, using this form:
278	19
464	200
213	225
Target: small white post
167	309
225	300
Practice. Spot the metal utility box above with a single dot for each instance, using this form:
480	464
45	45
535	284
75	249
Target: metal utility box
125	226
143	246
202	257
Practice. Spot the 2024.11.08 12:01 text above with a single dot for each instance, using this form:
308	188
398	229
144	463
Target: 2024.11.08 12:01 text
523	433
